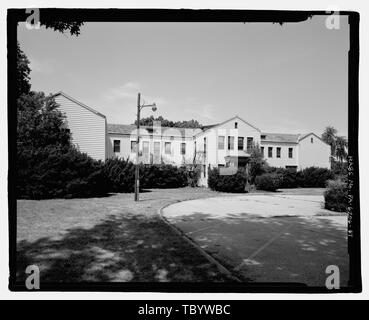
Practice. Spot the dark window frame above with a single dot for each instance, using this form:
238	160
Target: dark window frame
240	147
116	148
183	151
290	153
278	152
270	152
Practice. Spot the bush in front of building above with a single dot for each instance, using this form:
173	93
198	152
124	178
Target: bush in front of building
314	177
58	172
120	174
311	177
227	183
268	181
162	176
336	196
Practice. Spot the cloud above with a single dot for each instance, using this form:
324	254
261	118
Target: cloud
128	90
44	67
206	111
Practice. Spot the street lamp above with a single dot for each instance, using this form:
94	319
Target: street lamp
137	171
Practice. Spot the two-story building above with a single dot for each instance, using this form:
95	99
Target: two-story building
224	144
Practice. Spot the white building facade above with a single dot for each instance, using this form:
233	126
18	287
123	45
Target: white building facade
224	144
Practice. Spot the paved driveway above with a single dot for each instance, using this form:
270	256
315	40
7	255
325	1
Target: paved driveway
267	238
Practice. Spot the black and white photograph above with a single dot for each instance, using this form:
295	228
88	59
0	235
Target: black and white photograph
183	150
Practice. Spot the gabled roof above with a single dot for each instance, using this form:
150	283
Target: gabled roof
127	129
61	93
303	136
206	128
280	137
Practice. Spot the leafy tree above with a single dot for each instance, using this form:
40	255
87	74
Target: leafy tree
341	147
148	121
329	137
40	123
63	26
257	163
23	71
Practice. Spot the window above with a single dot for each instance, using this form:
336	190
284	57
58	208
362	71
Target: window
262	151
168	147
145	147
221	142
116	145
240	143
172	138
183	148
156	148
236	125
278	152
250	143
290	152
133	146
263	136
204	169
205	147
270	152
312	140
220	166
230	143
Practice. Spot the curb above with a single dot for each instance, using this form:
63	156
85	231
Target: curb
222	269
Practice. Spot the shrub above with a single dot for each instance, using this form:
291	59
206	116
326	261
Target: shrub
314	177
336	196
163	176
120	175
58	172
227	183
268	181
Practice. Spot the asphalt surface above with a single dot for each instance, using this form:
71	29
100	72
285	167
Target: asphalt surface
267	238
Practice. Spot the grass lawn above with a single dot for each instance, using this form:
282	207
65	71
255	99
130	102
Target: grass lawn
108	239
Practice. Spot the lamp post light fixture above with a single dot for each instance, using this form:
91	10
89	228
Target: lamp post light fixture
137	171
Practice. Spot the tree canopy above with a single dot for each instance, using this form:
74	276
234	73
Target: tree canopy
338	144
148	121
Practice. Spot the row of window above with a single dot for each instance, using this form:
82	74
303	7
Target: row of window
145	147
230	144
278	152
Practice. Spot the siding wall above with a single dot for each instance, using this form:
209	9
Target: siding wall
88	129
314	153
284	160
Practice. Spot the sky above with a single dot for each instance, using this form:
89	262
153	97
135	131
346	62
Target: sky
284	79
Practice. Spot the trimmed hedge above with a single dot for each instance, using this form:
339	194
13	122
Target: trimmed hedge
268	181
120	174
227	183
336	196
312	177
58	172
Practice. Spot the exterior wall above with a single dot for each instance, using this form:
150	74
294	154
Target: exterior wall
284	160
314	153
214	156
87	128
167	135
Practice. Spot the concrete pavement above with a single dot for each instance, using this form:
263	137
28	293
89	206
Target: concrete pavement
267	237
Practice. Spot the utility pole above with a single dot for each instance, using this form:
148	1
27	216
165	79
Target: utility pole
137	169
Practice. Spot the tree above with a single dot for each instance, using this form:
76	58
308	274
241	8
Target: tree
148	121
257	163
23	71
329	137
39	123
341	147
